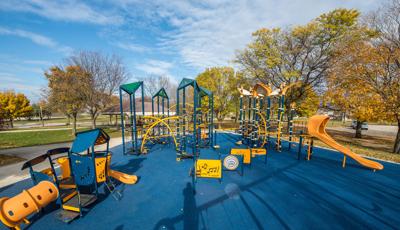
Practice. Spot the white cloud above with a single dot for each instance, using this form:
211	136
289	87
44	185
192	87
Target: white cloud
10	81
131	47
38	62
36	38
63	10
207	33
157	67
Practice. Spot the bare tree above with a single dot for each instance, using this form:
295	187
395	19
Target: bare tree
153	83
106	74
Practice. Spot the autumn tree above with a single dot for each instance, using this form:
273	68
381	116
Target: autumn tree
301	53
383	74
350	95
14	105
104	76
41	110
222	81
308	105
65	90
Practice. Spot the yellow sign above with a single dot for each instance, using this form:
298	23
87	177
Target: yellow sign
244	152
208	168
258	151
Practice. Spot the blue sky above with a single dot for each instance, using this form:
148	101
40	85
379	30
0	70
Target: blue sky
171	37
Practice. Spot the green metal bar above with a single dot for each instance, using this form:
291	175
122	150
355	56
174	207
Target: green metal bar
121	108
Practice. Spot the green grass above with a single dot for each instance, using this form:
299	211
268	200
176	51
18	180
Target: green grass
82	118
24	139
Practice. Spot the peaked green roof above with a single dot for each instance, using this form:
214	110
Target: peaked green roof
131	87
186	82
161	93
205	92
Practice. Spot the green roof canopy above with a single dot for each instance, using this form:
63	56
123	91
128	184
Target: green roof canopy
205	92
131	87
186	82
161	93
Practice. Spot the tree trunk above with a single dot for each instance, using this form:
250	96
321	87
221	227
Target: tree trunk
68	120
358	129
93	117
41	116
396	148
220	120
74	124
11	123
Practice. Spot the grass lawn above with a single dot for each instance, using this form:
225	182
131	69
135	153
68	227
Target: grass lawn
82	118
23	139
373	146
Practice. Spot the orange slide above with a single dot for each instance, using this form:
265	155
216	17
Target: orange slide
123	177
316	128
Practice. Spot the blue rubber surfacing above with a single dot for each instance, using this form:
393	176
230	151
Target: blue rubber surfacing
285	193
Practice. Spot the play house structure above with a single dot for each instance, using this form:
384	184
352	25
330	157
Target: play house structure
83	169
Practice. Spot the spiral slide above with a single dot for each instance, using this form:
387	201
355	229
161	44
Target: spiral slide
316	128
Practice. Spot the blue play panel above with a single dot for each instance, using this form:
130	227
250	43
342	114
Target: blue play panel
285	193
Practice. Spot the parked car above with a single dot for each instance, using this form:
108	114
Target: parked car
364	125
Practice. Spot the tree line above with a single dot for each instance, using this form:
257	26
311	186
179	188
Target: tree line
345	61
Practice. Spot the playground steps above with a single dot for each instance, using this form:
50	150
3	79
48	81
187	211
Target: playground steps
71	208
67	194
83	199
113	190
67	183
66	216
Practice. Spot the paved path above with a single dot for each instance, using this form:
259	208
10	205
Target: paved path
12	173
373	130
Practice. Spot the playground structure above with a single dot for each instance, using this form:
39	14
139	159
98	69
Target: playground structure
259	126
191	126
194	129
83	171
258	119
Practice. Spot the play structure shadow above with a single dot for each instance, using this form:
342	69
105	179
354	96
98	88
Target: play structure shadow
130	167
190	216
193	213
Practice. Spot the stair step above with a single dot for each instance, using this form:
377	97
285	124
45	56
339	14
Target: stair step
66	216
67	194
73	203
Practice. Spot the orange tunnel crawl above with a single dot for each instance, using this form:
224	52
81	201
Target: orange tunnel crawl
15	210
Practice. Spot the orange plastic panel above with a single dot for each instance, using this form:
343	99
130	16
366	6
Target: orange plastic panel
101	163
258	151
244	152
64	166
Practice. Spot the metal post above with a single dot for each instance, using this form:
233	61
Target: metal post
121	108
184	117
152	106
134	128
195	101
